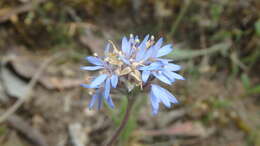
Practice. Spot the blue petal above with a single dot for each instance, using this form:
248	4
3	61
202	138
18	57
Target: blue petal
143	43
172	67
169	75
114	81
158	44
140	54
152	66
149	53
164	93
164	50
131	39
91	67
93	100
107	48
158	92
172	98
177	76
142	47
110	102
164	61
107	88
100	103
136	37
162	78
126	46
94	60
154	103
154	49
87	86
84	85
96	98
145	75
97	81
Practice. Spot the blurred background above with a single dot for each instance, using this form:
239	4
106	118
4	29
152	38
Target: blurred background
43	43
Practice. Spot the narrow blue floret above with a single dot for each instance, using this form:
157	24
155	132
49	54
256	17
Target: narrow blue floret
98	81
91	67
126	46
107	49
107	88
162	77
114	81
145	75
154	103
94	60
164	50
96	98
159	94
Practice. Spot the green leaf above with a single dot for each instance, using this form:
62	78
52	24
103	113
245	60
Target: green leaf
221	35
253	57
216	11
3	130
257	27
254	90
245	80
221	103
181	54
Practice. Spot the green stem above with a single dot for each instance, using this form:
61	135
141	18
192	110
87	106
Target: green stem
130	104
180	16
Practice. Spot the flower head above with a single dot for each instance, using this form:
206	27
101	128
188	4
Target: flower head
137	63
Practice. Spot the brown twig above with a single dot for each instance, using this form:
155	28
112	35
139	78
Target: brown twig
30	86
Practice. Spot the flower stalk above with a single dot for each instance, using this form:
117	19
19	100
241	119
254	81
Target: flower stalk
130	103
131	98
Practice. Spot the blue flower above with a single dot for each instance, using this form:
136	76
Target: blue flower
161	69
136	63
159	94
102	83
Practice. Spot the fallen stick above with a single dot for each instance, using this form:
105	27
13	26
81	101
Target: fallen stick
30	133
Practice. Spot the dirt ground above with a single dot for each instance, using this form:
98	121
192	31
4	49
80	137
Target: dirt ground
43	44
